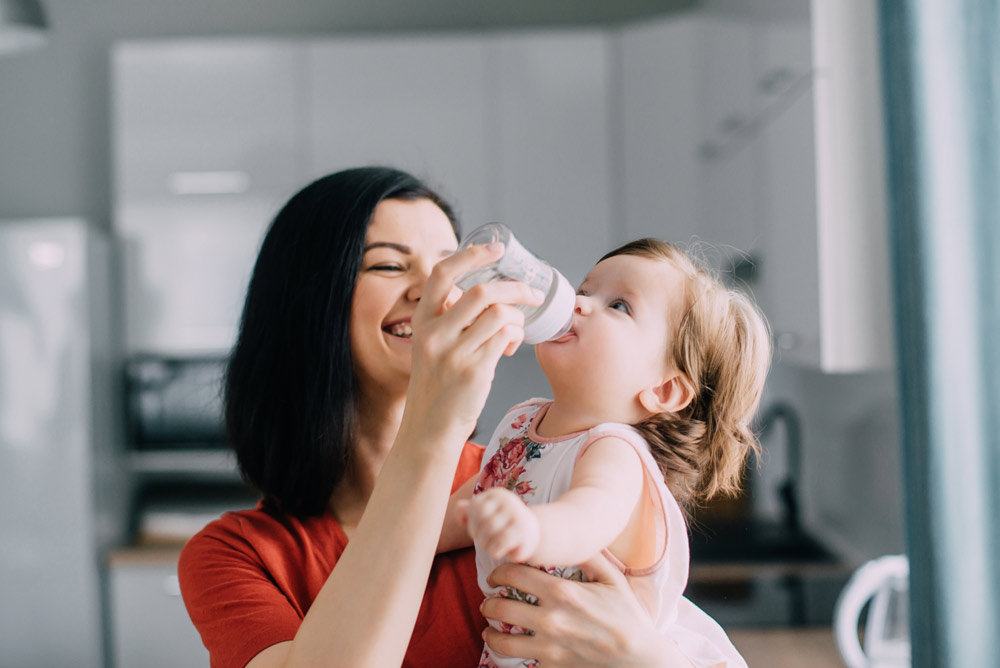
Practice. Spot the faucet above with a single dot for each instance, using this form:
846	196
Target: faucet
783	412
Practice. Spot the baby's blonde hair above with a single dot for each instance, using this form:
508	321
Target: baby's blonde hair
722	347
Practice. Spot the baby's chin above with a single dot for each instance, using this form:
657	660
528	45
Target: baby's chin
552	363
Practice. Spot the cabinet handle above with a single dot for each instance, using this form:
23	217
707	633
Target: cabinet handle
171	585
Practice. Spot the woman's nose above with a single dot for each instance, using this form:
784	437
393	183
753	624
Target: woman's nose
418	280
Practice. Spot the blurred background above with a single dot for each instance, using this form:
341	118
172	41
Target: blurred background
145	146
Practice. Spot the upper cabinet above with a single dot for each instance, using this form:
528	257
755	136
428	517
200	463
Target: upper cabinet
755	132
207	140
510	127
789	166
413	102
212	137
549	165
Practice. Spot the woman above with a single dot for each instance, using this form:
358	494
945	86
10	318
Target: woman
358	374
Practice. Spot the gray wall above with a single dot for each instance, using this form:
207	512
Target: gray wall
851	487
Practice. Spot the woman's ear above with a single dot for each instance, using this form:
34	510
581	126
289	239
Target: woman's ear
670	396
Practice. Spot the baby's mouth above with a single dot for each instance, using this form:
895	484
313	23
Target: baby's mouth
401	329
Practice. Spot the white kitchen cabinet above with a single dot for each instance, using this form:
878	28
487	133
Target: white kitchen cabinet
824	277
413	102
212	137
207	141
150	627
657	102
549	143
189	107
797	180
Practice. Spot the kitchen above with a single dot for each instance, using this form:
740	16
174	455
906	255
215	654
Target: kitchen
684	120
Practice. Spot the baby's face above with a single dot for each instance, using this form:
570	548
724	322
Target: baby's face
627	313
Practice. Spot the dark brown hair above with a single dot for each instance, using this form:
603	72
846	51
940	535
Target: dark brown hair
290	392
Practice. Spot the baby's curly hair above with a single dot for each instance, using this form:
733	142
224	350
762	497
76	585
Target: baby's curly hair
722	348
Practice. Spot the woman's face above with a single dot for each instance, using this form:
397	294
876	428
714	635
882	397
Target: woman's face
405	239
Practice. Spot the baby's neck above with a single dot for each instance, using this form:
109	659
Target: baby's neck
560	420
565	416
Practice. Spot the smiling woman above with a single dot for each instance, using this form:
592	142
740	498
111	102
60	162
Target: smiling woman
405	239
356	379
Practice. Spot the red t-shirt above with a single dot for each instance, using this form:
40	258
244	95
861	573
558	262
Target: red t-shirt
249	577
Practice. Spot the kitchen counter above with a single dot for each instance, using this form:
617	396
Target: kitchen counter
787	648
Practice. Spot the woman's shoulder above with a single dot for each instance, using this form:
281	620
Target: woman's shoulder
262	535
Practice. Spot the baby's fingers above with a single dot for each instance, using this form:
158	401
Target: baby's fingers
462	512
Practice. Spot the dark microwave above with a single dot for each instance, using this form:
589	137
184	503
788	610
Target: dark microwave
175	402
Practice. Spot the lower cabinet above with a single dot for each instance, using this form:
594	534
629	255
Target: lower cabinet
150	627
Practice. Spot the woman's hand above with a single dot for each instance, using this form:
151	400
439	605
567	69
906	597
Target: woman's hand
596	623
457	343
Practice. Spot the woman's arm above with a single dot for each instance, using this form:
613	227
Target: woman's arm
602	498
365	612
594	623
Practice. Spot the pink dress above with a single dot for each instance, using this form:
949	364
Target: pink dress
539	470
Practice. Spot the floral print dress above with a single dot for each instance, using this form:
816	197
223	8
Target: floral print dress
539	470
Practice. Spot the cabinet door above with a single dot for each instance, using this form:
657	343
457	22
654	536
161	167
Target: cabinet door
825	284
659	109
729	154
206	139
150	626
788	276
416	103
549	144
226	111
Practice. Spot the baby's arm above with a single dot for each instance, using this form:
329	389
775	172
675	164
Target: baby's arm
454	532
604	491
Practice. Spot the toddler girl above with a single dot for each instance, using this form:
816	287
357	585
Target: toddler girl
654	388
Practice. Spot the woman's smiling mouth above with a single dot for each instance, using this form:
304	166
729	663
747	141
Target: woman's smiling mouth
400	329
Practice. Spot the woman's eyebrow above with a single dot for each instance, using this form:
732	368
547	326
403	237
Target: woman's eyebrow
405	250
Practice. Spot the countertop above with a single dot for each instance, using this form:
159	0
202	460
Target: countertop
787	648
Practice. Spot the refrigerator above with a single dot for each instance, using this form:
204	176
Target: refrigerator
64	490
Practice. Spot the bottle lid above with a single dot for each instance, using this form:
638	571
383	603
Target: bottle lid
554	318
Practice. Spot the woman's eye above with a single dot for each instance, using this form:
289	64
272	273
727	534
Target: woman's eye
385	267
621	305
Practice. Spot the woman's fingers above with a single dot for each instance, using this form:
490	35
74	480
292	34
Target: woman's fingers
515	644
439	284
600	570
574	624
480	297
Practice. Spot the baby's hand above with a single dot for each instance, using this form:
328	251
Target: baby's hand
503	525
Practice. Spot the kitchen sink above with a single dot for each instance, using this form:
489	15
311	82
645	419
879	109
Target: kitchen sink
756	542
754	574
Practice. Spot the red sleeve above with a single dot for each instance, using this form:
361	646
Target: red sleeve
468	464
231	598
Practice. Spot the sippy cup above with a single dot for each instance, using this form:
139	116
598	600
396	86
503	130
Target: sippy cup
554	317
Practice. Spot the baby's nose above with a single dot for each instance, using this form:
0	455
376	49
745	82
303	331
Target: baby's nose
582	305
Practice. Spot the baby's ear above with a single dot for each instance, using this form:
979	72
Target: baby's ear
670	396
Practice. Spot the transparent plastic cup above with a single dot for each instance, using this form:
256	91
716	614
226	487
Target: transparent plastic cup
550	320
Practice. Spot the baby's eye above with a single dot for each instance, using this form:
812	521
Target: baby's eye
621	305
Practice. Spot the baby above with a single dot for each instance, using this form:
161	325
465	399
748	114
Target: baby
654	389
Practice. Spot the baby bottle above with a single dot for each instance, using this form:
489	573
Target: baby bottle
554	317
